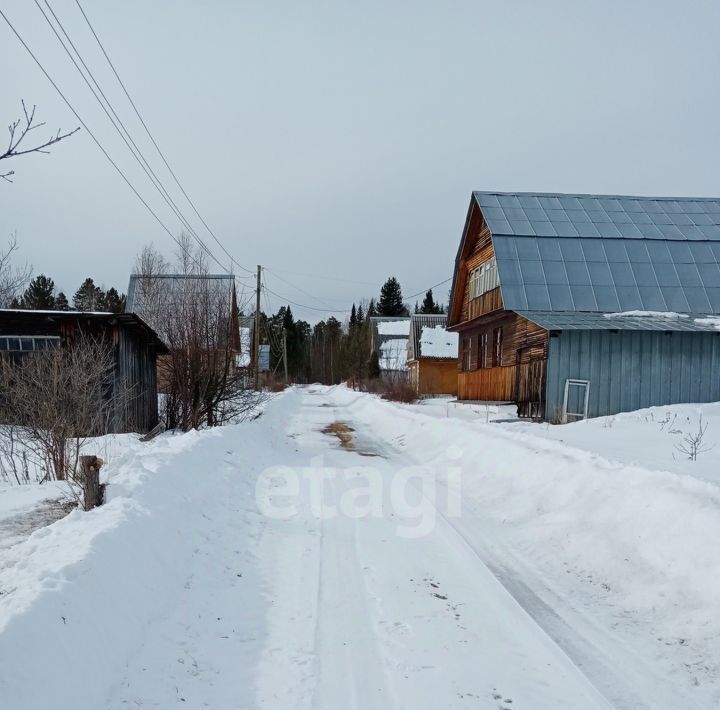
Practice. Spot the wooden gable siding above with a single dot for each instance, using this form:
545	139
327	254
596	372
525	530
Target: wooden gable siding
481	252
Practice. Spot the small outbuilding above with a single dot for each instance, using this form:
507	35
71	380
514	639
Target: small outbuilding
432	355
389	339
588	305
135	346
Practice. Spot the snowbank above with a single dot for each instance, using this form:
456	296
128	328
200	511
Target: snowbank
110	573
635	547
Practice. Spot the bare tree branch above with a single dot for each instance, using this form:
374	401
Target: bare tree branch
19	130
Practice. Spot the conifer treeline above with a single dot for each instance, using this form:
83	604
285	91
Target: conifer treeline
334	351
40	295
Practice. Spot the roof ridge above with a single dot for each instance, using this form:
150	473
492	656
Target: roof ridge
597	195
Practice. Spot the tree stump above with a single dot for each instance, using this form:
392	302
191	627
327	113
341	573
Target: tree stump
94	492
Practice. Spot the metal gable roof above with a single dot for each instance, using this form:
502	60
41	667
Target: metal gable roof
602	253
526	214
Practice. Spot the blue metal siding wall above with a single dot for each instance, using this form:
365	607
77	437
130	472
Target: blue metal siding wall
633	369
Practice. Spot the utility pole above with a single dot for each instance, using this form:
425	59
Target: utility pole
285	354
257	329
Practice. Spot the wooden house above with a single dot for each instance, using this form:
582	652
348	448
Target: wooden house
432	355
585	305
135	345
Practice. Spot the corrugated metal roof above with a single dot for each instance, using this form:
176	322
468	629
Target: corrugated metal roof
553	320
169	283
530	214
605	253
418	321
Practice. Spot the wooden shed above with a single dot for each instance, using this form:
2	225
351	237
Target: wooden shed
136	347
585	305
432	355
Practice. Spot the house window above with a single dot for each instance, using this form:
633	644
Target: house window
484	278
497	347
465	354
482	350
17	343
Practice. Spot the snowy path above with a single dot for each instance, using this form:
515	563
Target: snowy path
249	567
358	617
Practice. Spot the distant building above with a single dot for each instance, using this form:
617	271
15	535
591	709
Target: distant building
135	344
588	305
170	303
432	355
389	339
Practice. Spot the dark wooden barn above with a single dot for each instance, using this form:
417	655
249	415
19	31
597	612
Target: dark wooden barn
586	305
136	347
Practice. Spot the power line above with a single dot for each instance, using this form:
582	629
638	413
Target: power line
303	305
134	149
425	290
326	278
92	135
154	142
292	285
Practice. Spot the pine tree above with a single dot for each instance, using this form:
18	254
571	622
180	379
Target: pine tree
39	295
371	311
429	305
360	316
61	302
114	301
353	318
89	297
390	302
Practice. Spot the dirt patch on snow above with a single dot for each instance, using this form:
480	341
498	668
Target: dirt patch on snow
343	432
344	435
19	527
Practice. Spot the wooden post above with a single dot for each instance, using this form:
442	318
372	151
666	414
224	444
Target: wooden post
94	492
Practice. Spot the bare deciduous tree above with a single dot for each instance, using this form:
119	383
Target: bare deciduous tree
196	317
692	444
19	130
12	278
51	402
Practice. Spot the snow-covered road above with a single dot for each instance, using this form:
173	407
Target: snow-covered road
271	565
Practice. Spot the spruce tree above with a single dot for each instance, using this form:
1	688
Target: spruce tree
353	318
114	302
417	308
61	302
360	316
429	305
89	297
390	302
371	311
39	295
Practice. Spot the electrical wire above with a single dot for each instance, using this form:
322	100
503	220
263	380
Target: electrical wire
154	142
129	142
95	140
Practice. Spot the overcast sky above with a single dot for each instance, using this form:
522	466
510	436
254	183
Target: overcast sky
343	139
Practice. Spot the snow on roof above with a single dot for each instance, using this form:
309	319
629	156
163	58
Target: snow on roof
714	322
394	327
393	354
435	341
646	314
244	359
